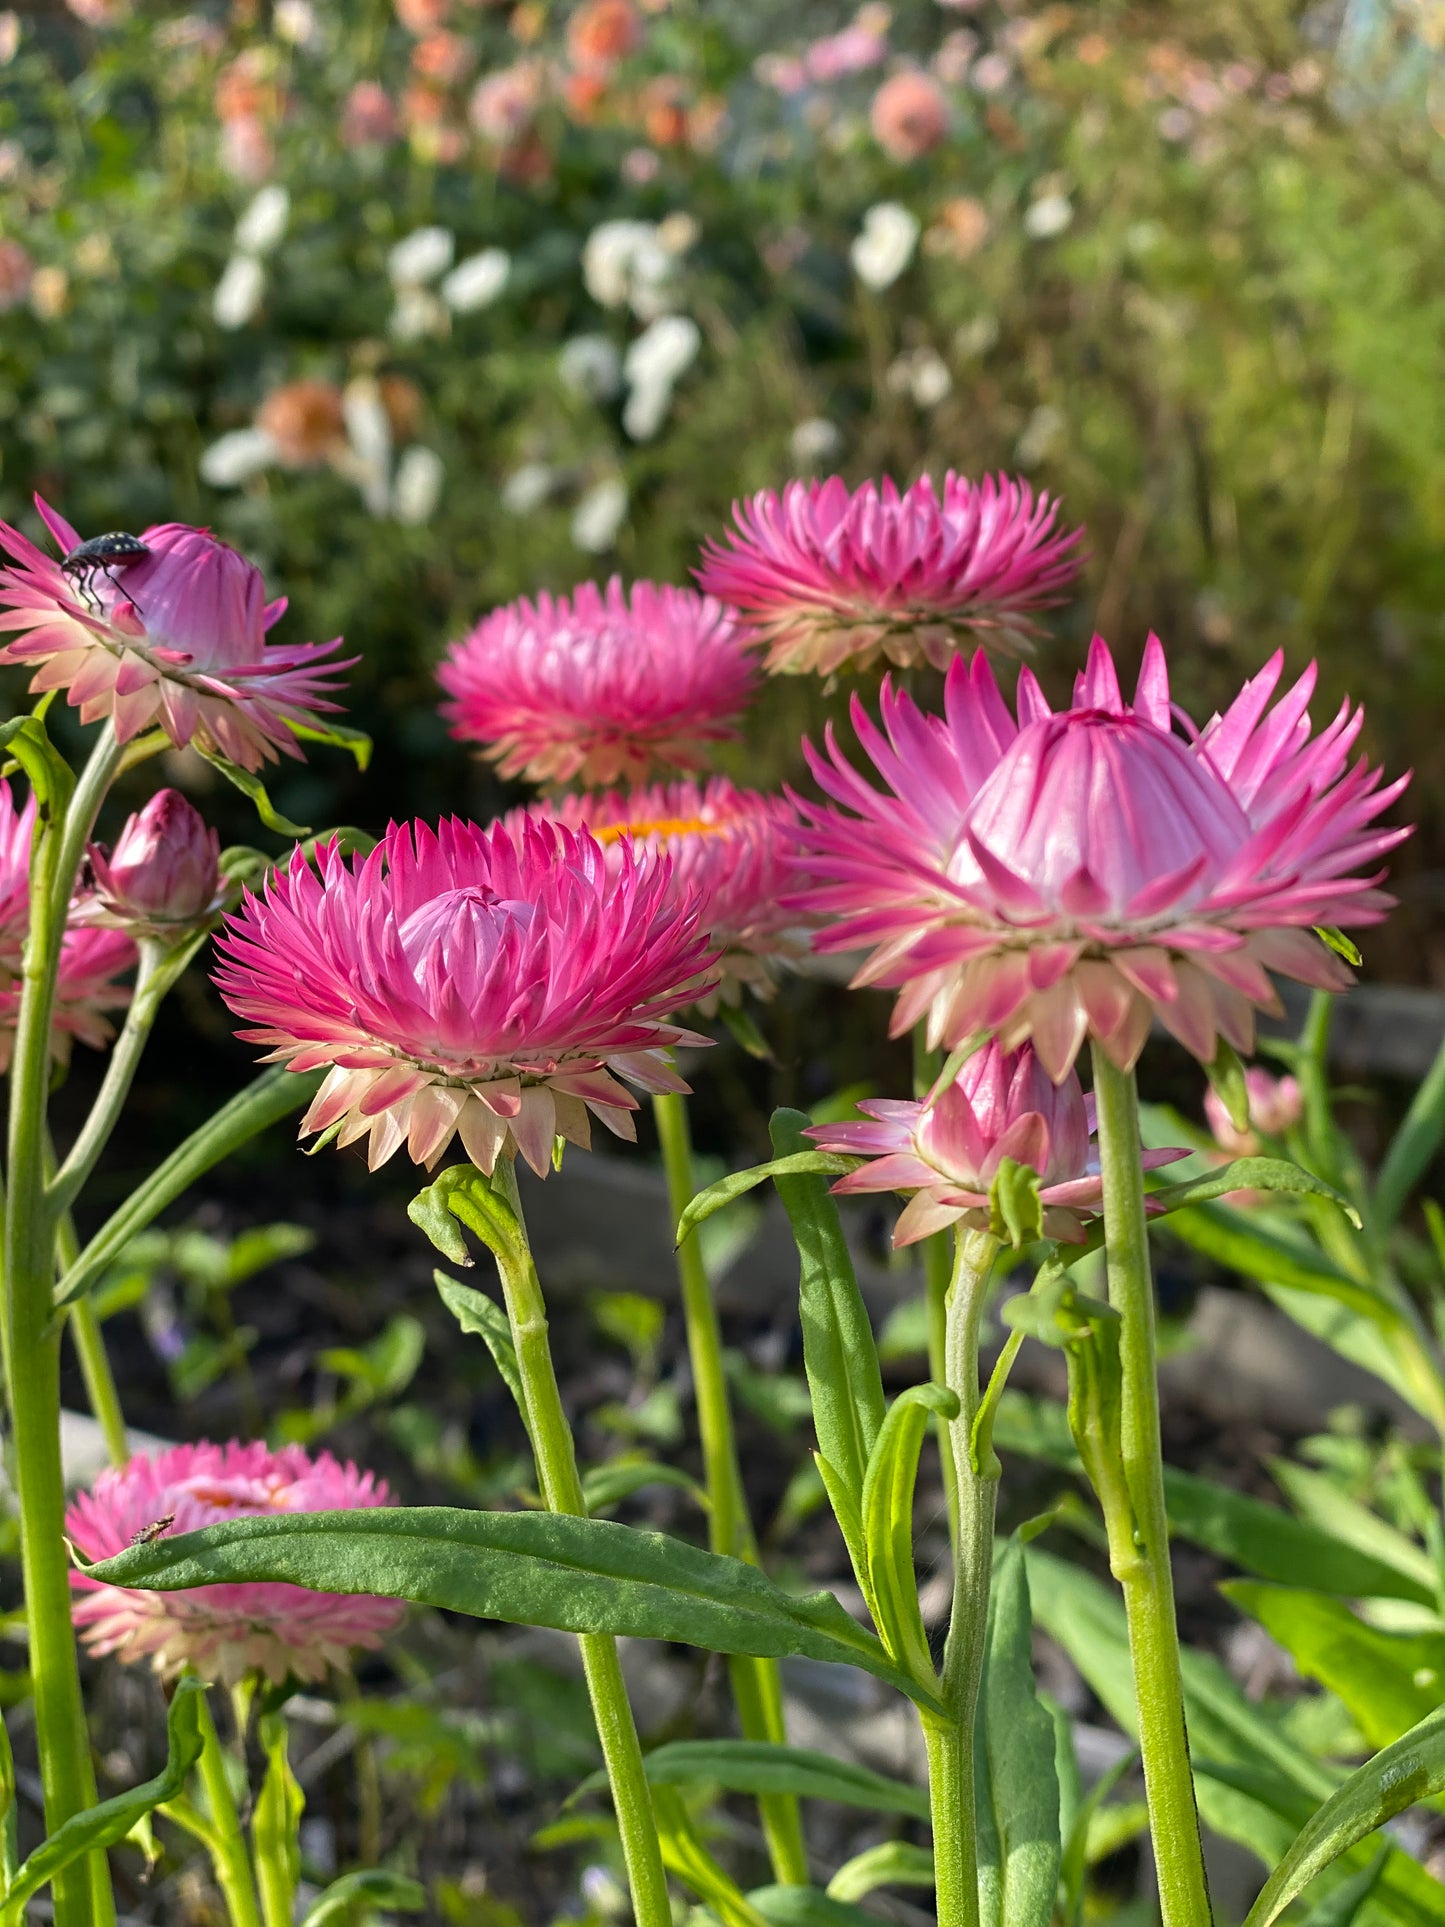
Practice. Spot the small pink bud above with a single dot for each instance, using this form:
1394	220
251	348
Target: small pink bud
1275	1103
164	870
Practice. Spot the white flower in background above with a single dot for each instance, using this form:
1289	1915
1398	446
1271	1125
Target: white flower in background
527	488
367	459
238	292
885	247
418	487
296	22
1042	433
813	441
1048	216
590	365
661	353
975	337
634	263
418	312
921	373
421	256
263	221
477	281
599	515
234	458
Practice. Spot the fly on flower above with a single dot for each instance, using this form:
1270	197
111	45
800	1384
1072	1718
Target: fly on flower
102	555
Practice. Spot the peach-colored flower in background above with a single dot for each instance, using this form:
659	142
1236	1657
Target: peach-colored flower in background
960	230
248	153
246	88
504	104
16	273
369	117
602	32
443	58
664	106
305	421
422	16
909	116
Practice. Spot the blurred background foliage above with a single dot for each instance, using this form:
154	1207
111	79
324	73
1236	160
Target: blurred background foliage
1179	263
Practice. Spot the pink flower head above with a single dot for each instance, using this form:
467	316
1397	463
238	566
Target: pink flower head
825	577
225	1632
601	685
727	845
1275	1103
178	638
495	983
163	877
947	1152
852	50
369	117
90	960
1075	874
909	115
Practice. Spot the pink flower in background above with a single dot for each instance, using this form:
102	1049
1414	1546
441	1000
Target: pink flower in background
369	117
826	577
726	845
852	51
909	116
504	104
163	877
248	153
90	960
604	685
493	983
1076	874
17	271
947	1153
226	1632
602	32
178	639
1275	1104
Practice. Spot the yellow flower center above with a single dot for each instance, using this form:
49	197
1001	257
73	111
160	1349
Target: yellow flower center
660	826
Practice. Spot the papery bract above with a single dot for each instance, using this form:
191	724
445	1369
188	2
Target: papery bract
232	1631
602	685
177	639
826	577
163	875
1058	876
493	983
947	1152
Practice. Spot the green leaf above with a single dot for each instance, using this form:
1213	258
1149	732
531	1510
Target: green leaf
49	775
684	1854
1342	1909
355	740
483	1318
890	1581
1075	1862
1337	941
1389	1681
807	1907
1226	1077
1018	1787
739	1022
839	1353
737	1184
101	1826
1329	1507
272	1096
619	1478
1268	1257
528	1568
756	1766
1015	1213
251	785
1248	1174
893	1863
9	1816
1412	1147
368	1888
1411	1769
275	1823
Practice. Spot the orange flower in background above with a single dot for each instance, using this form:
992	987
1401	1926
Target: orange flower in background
909	116
442	58
602	32
403	402
246	88
960	230
422	16
422	105
305	421
664	111
583	95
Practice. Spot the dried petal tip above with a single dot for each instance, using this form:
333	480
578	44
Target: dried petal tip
163	877
227	1632
827	578
603	685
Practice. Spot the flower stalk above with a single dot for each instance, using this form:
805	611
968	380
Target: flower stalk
757	1688
1146	1577
224	1836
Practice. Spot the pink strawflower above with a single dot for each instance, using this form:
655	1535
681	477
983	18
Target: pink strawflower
825	577
1072	875
1275	1104
90	960
493	983
947	1152
178	639
727	845
601	685
909	115
162	878
368	116
224	1632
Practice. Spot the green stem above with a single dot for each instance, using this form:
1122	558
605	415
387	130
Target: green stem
226	1840
937	1254
950	1741
32	1351
1146	1578
89	1342
562	1492
757	1687
120	1072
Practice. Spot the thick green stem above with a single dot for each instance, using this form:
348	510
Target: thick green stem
562	1491
226	1840
1146	1577
951	1741
32	1351
937	1253
757	1688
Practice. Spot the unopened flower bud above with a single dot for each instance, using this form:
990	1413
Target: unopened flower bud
1275	1103
164	873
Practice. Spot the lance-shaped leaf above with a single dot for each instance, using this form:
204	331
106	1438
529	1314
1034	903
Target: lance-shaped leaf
893	1863
737	1184
275	1823
354	740
251	785
101	1826
483	1317
1018	1786
1248	1174
758	1766
807	1907
891	1584
1410	1770
1412	1147
1344	1905
370	1888
528	1568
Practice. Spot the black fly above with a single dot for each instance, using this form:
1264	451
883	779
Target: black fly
102	555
